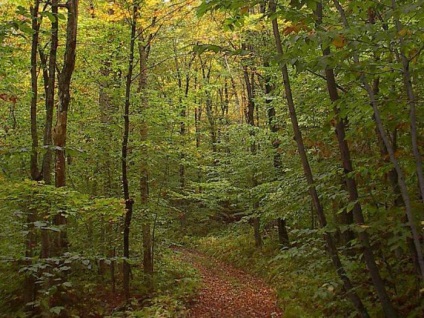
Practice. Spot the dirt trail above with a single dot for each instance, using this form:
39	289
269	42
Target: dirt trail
228	292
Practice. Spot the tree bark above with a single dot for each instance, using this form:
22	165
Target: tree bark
332	249
206	73
35	173
50	87
60	129
148	244
31	238
412	101
126	268
283	236
183	94
250	120
393	159
31	290
352	186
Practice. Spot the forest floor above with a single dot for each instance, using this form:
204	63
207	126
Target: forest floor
228	292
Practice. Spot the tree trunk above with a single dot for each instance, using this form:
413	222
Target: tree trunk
50	86
144	49
412	101
35	174
283	235
250	120
209	106
60	129
352	187
30	286
349	288
197	122
126	268
393	159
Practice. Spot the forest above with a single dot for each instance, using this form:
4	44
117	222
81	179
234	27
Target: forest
211	158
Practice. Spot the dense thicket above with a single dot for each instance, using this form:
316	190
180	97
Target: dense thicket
288	133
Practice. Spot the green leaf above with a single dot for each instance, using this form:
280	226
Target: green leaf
201	48
56	310
50	16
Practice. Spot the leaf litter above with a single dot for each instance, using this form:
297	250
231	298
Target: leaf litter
228	292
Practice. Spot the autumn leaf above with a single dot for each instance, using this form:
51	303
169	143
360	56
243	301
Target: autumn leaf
339	41
295	28
404	32
289	30
244	10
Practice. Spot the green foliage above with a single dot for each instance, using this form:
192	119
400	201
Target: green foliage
300	274
27	211
176	284
209	172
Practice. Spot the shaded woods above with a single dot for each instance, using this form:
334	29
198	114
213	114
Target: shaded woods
281	137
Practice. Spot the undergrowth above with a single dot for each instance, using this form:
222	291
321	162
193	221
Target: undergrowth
175	285
302	276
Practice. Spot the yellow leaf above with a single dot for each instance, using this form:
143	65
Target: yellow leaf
339	42
244	10
403	32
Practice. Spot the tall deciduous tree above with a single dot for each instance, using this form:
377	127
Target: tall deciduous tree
353	296
64	98
129	202
351	184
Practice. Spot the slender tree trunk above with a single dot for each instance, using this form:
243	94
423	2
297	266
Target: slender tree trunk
197	122
393	159
144	50
124	165
31	238
233	86
283	236
412	101
332	249
346	217
392	174
183	112
50	83
35	174
206	75
250	119
60	129
183	115
352	186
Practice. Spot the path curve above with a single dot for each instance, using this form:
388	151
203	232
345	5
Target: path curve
228	292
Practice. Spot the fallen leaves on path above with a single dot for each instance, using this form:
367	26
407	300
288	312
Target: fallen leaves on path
228	292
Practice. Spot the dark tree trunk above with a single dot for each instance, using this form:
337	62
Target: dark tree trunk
31	238
126	268
250	120
351	186
144	46
332	249
30	290
206	75
35	173
60	129
197	122
393	159
183	111
412	101
283	235
49	84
